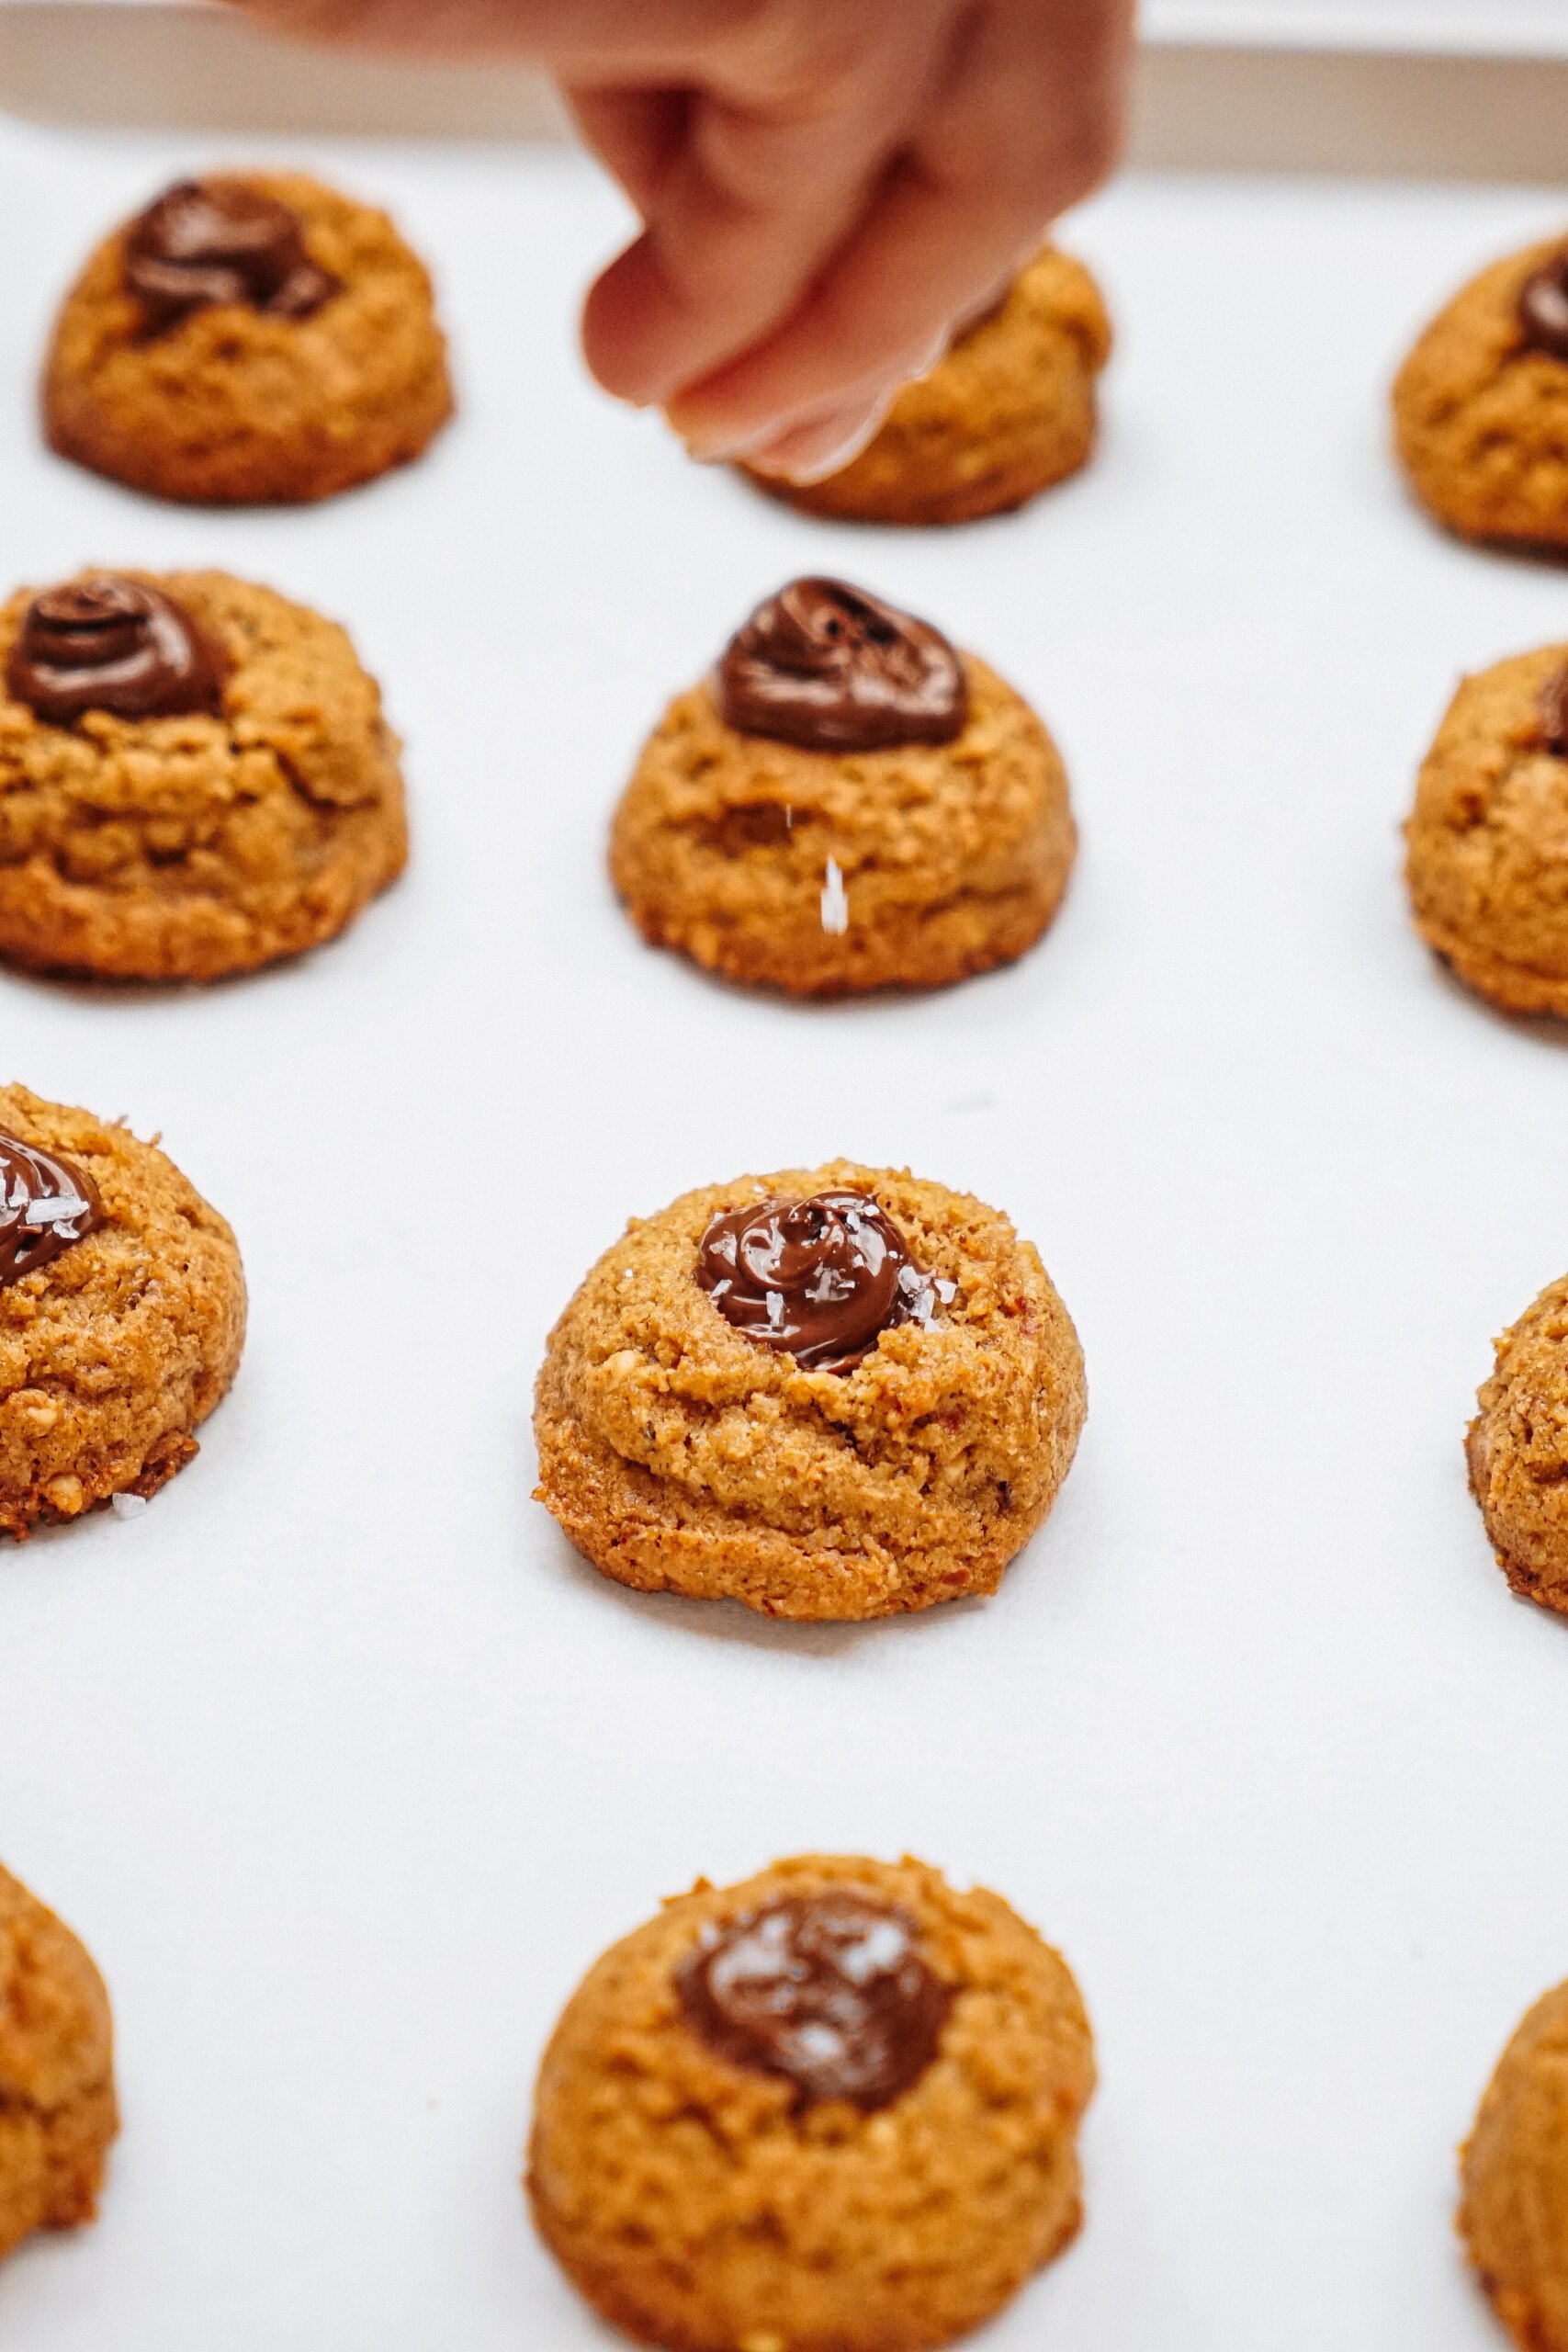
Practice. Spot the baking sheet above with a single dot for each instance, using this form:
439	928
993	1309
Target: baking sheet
1465	27
1238	85
344	1766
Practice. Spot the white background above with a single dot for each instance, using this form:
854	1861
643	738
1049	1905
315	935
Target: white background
1529	26
343	1764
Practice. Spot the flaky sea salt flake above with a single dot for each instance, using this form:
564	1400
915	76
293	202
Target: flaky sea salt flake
63	1211
835	903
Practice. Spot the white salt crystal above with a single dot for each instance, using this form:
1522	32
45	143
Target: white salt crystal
126	1506
835	903
60	1212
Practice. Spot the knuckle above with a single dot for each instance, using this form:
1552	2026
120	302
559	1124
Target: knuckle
805	53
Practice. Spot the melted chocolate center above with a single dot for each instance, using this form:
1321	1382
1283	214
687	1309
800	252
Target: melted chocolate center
1543	307
106	643
46	1203
831	669
218	240
1554	713
820	1279
827	1990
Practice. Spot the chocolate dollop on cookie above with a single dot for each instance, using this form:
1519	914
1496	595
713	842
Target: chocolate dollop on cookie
829	668
46	1203
218	240
1554	713
111	644
827	1990
1543	307
820	1279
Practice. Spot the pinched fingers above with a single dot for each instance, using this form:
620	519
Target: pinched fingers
1028	119
780	158
828	186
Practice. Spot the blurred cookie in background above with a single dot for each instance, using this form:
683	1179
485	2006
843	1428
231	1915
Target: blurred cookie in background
1481	404
58	2115
250	339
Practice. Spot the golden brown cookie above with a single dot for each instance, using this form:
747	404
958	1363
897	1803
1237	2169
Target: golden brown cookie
122	1313
194	779
1481	404
1513	2212
57	2104
250	339
833	2108
1487	842
1010	410
845	805
888	1436
1518	1451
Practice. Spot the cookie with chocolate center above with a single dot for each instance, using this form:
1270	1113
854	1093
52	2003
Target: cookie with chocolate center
249	339
846	804
122	1315
1481	404
58	2115
1513	2214
1487	842
1518	1451
196	778
834	2108
1008	412
834	1393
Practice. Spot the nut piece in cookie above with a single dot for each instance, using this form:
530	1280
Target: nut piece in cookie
122	1315
832	1393
196	778
1513	2214
1518	1451
1010	410
834	2108
58	2116
248	340
1487	842
1481	404
846	804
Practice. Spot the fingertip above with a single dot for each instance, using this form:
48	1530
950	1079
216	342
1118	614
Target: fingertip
620	329
813	452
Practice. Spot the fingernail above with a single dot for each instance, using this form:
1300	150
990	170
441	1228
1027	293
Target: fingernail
809	453
933	357
717	447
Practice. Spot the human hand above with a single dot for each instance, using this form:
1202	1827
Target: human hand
828	188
